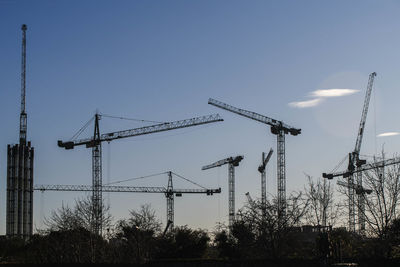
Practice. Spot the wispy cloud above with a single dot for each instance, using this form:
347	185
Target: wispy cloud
388	134
306	104
320	95
333	92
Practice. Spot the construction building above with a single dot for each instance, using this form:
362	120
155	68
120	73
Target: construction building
19	217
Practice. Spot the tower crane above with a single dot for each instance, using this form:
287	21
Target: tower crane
280	129
359	189
95	143
355	163
261	169
232	163
168	191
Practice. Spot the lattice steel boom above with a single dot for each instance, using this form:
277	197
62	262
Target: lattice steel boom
126	189
279	129
143	130
169	192
356	154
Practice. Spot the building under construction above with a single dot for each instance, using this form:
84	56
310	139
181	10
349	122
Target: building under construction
20	170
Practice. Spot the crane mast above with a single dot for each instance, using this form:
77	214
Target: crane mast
97	195
232	163
23	116
278	128
95	143
169	194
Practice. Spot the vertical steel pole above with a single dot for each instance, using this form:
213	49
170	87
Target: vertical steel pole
361	205
352	219
281	175
263	188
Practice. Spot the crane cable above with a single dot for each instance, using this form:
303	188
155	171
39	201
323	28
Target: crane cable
136	178
186	179
83	128
129	119
152	175
340	164
80	131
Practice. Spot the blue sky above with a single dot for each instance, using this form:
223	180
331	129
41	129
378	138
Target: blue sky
162	60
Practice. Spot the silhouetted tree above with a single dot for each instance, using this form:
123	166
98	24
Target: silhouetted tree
68	237
66	246
258	235
382	204
224	244
135	238
66	218
322	210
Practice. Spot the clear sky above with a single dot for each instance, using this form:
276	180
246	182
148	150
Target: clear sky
162	60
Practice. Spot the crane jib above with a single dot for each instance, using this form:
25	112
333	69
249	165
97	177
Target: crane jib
90	142
276	126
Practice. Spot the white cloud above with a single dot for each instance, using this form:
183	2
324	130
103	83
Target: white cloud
306	104
333	92
388	134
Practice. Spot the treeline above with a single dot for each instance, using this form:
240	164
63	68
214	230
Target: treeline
257	237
